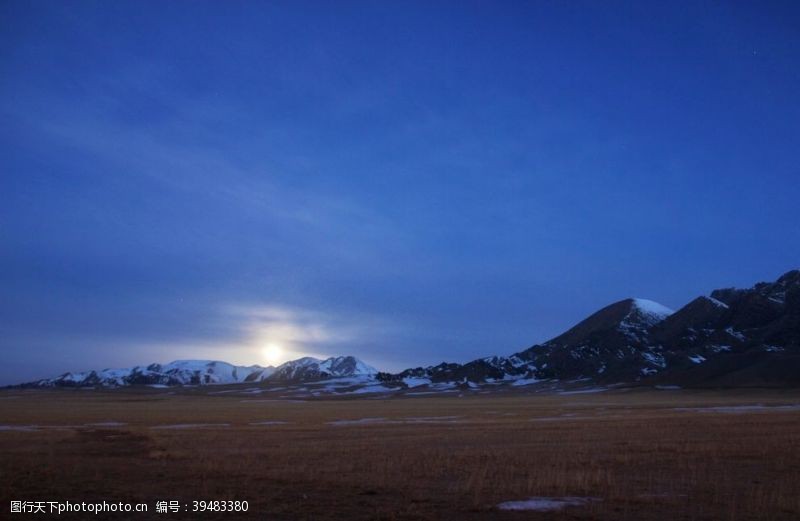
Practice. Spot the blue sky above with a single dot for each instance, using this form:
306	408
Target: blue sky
405	182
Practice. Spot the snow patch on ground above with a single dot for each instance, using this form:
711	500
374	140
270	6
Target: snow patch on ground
31	428
191	426
737	409
416	382
525	381
273	401
585	391
546	504
359	421
19	428
559	418
430	419
396	421
372	389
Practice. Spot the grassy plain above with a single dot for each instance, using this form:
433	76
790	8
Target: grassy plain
645	454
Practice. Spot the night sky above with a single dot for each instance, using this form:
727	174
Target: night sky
405	182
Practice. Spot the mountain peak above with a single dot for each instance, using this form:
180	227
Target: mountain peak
626	316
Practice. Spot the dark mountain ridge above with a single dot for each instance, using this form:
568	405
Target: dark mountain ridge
731	337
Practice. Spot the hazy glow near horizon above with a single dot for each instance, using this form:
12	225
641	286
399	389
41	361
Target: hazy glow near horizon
273	353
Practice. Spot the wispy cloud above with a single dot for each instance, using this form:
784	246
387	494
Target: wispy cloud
255	179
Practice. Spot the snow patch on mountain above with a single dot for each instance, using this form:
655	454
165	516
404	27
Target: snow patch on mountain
652	309
716	302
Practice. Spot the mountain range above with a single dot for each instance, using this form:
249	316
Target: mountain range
209	372
732	337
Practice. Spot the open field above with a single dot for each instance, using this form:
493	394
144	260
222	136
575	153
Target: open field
644	454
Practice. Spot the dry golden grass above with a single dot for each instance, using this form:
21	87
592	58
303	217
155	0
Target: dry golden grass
643	458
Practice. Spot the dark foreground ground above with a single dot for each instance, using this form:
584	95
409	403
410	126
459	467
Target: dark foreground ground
644	454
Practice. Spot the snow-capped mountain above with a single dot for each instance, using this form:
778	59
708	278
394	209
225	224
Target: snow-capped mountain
614	340
206	372
312	368
179	372
614	343
732	336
